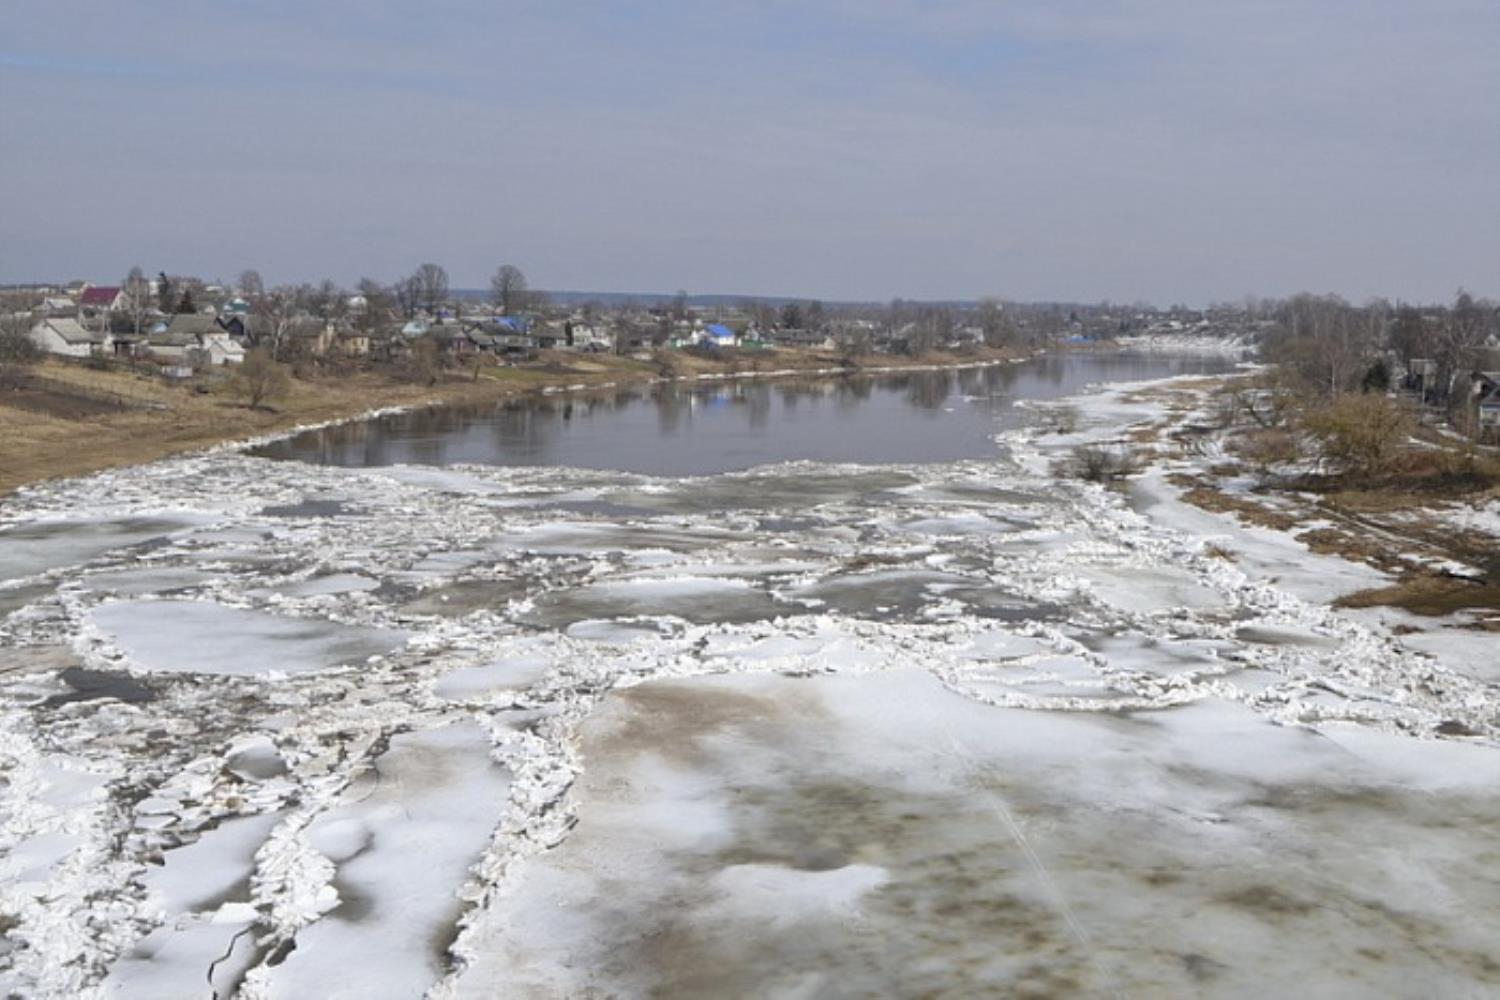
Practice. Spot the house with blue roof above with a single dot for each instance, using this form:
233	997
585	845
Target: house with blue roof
718	335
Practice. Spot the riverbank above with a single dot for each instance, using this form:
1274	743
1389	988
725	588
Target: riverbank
1417	549
90	420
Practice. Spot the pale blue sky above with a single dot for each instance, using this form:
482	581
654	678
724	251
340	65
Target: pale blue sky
1169	150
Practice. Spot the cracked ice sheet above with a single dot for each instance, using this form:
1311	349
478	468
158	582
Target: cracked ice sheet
403	840
208	638
203	892
39	546
771	836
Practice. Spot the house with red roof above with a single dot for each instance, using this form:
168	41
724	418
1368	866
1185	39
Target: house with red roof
96	299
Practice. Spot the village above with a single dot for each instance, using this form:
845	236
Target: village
1446	360
186	325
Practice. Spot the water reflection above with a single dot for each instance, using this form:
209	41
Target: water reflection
929	416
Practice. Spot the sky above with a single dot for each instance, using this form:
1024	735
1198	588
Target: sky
1167	151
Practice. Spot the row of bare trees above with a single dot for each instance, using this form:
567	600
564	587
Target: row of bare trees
1334	346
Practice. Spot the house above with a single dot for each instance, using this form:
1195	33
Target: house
1485	388
164	345
718	335
312	336
65	336
353	342
221	349
482	340
240	327
587	337
816	340
514	343
97	299
59	305
453	340
194	339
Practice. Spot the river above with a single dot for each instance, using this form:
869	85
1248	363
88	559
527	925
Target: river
697	429
754	688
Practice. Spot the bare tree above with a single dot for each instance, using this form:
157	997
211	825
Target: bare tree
1327	342
408	296
425	362
328	302
251	287
430	285
1410	336
815	316
896	316
762	314
508	288
137	298
998	329
379	301
1459	337
274	313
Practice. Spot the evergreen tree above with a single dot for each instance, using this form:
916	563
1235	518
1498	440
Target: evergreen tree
165	299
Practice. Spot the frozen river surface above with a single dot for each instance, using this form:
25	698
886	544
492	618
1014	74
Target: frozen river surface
957	728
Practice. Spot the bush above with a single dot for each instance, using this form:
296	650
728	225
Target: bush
1377	378
259	379
18	352
1061	419
1361	433
1458	468
1224	409
1102	463
1262	449
424	363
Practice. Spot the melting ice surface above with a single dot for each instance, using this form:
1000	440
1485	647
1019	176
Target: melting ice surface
809	729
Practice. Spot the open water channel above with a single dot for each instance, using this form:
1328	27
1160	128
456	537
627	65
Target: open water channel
701	429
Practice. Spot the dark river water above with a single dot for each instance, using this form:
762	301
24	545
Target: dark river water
705	429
